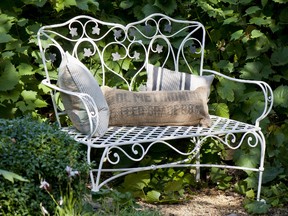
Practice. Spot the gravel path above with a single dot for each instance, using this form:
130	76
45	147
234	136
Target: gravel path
211	203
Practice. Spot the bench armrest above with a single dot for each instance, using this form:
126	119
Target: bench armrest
266	89
87	100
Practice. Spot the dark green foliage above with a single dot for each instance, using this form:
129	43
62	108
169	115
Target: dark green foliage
37	151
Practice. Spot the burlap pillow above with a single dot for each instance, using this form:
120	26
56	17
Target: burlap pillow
75	76
157	108
159	78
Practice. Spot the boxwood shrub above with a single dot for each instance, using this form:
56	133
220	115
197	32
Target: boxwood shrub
38	151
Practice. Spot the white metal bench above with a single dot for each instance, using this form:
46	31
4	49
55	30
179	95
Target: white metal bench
155	39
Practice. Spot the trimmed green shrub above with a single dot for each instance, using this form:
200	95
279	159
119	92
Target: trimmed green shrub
38	152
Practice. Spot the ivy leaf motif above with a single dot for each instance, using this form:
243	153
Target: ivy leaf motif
52	57
132	32
159	48
192	49
136	55
96	30
116	56
168	28
73	32
87	52
147	28
117	33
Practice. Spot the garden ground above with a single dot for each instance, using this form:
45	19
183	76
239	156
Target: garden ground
211	202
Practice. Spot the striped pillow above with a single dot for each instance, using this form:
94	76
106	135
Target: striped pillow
163	79
75	76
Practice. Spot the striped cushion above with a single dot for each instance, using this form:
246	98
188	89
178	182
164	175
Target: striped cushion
75	76
163	79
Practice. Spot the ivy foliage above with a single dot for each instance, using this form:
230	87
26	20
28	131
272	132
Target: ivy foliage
245	39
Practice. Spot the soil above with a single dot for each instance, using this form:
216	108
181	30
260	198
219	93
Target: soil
211	202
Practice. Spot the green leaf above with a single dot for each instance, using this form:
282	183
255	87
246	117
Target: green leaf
69	3
168	6
60	5
22	22
256	33
260	21
255	71
126	4
226	89
38	3
40	103
44	88
220	109
7	54
281	1
8	76
29	95
11	96
252	10
6	23
281	96
5	38
271	173
87	5
153	196
173	186
236	35
225	65
230	20
137	181
257	207
25	69
250	159
250	194
11	176
280	56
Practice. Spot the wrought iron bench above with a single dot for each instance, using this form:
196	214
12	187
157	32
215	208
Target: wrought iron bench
118	55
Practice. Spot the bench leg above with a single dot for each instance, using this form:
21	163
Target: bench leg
261	167
198	162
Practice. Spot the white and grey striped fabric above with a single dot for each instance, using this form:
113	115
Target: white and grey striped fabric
159	78
75	76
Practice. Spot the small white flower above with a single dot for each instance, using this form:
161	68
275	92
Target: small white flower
43	210
136	55
68	169
73	32
116	56
73	173
61	201
117	33
96	30
159	48
44	185
87	52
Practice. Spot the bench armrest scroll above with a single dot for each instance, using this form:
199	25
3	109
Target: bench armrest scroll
88	102
266	89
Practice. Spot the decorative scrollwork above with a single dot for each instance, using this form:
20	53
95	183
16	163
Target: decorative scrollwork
231	141
139	151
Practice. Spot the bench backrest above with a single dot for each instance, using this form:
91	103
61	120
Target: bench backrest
116	54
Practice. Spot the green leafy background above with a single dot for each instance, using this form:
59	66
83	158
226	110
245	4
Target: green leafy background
245	39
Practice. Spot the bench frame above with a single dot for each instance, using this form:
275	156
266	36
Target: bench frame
86	30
